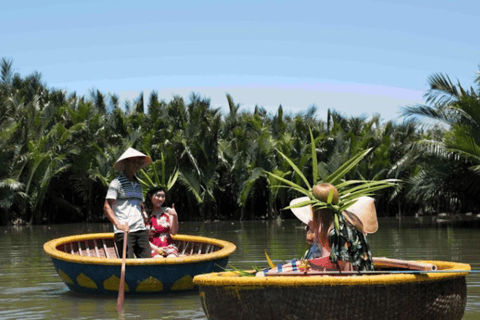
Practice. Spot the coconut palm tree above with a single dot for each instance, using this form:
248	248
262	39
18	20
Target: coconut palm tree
457	110
195	128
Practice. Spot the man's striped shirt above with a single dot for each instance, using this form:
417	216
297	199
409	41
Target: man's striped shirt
128	197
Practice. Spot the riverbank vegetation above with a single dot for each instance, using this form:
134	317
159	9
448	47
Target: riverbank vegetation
57	151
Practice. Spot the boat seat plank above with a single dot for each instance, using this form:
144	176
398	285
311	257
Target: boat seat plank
79	248
96	248
116	249
180	245
87	248
185	247
105	248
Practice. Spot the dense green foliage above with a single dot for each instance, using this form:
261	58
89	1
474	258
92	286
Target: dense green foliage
58	150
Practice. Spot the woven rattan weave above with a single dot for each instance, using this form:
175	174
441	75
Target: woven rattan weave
433	295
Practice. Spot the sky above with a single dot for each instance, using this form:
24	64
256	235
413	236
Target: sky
357	57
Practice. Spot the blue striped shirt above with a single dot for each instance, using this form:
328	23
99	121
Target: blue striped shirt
128	198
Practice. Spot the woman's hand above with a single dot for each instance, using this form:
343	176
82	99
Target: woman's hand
172	211
174	219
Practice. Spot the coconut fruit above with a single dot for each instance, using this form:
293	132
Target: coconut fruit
322	190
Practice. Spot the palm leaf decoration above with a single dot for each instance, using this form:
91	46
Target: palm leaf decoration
270	262
348	190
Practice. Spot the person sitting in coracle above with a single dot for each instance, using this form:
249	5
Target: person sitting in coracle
349	252
315	249
163	223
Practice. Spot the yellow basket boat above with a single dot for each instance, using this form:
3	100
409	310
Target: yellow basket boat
434	295
89	263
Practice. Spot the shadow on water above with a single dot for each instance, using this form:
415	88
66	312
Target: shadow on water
30	288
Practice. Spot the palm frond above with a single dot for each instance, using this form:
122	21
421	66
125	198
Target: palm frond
11	184
296	169
190	181
314	158
442	90
335	177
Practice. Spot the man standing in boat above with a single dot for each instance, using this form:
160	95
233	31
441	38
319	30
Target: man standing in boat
123	205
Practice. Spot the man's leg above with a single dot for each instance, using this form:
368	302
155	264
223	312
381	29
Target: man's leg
119	242
142	247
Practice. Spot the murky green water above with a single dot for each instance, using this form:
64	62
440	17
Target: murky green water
31	289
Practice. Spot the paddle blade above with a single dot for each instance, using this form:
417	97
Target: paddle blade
121	296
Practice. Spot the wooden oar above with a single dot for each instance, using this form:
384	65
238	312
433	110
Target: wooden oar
121	288
403	264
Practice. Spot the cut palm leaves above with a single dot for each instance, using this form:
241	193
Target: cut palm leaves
270	262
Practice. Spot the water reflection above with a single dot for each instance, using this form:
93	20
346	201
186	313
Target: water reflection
31	289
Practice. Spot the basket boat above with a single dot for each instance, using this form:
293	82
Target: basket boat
435	295
89	263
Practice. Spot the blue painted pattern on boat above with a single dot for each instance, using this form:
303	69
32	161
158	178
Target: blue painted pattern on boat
134	275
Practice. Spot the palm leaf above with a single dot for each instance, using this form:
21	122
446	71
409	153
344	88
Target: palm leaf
270	262
172	179
192	184
291	184
335	177
314	158
297	170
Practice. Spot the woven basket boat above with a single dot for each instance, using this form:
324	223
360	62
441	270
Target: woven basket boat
434	295
89	263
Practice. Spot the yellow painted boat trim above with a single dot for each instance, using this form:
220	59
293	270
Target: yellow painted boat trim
233	279
50	247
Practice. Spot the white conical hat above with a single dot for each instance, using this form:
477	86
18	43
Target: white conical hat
304	214
131	153
361	214
364	211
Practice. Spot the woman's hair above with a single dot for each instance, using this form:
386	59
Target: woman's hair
148	199
322	220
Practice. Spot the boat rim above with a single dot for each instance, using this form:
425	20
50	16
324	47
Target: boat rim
50	247
233	279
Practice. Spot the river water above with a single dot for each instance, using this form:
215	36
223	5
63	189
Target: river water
31	289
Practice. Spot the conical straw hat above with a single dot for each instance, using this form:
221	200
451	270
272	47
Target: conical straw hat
361	214
131	153
304	214
364	212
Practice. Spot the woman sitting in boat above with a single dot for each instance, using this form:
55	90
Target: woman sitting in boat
163	223
343	248
315	249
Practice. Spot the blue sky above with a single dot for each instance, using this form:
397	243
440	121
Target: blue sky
354	56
